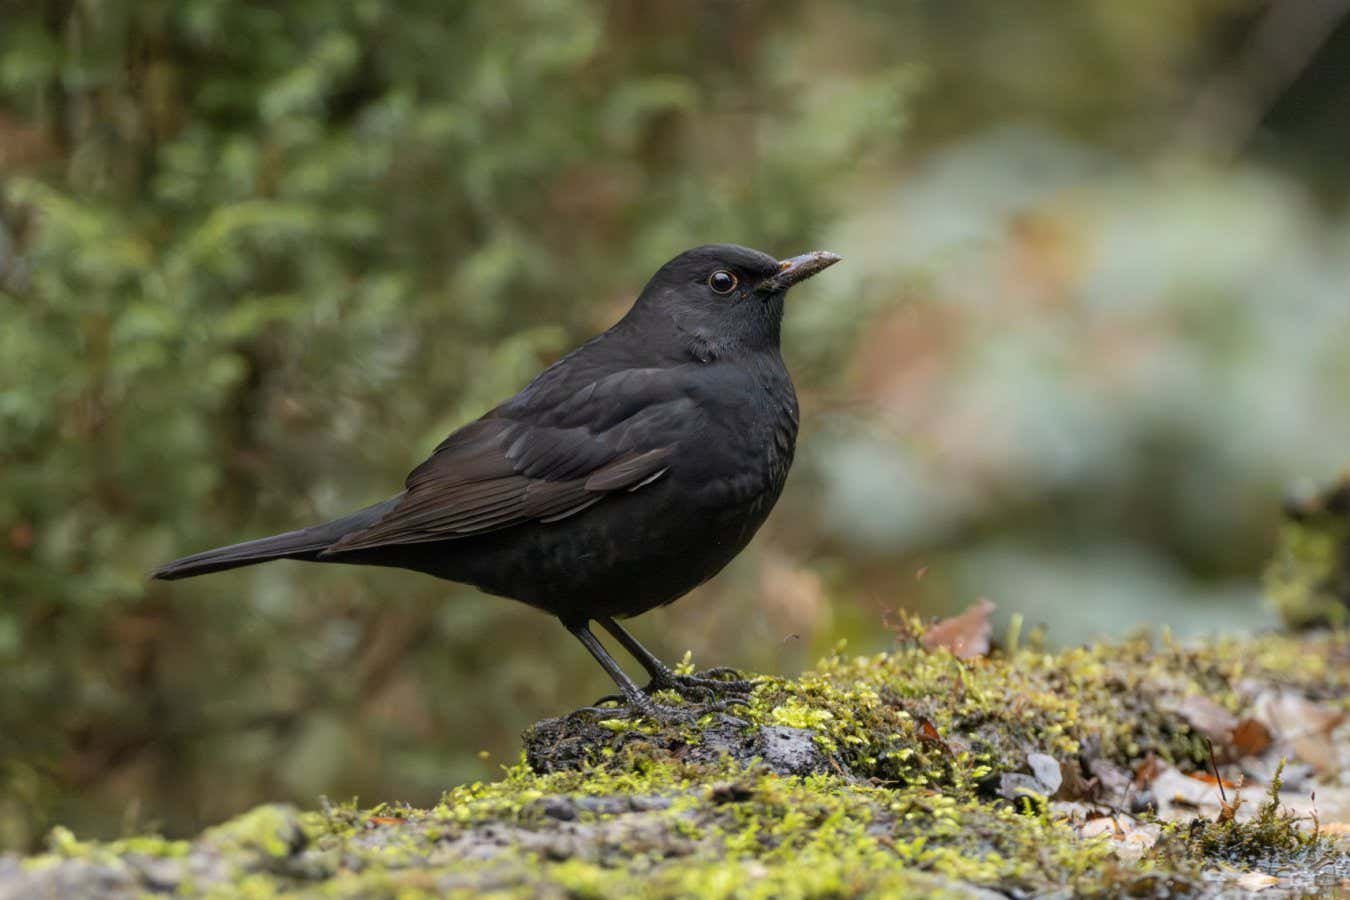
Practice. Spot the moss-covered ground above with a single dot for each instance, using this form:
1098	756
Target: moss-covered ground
907	773
1308	581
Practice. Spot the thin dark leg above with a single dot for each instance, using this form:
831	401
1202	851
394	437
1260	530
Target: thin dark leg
631	691
632	694
662	676
647	659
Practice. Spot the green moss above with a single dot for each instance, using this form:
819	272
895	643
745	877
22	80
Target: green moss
1274	841
273	831
1308	580
902	801
880	714
1303	581
62	844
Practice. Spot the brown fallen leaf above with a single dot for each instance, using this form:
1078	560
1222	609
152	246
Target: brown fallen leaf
1209	779
966	636
1205	716
1149	768
1250	737
1075	785
1288	713
1318	751
929	734
1305	724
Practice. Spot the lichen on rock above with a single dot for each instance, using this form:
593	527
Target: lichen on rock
908	772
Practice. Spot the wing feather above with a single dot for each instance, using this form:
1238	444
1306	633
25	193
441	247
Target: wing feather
499	472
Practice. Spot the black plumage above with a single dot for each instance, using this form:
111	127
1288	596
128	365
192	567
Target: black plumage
623	476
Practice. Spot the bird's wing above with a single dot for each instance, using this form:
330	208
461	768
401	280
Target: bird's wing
536	461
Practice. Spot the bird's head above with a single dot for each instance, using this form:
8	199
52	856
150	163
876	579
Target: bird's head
722	297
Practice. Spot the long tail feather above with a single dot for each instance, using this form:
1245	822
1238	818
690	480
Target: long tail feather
303	544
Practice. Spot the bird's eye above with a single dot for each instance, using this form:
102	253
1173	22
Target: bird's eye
722	281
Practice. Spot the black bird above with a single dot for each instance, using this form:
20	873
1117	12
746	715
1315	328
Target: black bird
623	476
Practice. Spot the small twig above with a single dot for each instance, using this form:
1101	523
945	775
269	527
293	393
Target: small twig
1213	764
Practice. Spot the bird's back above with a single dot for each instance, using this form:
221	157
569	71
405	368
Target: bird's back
730	428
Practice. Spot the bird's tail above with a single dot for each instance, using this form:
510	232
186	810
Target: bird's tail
303	544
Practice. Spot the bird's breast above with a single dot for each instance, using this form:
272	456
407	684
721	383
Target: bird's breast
741	454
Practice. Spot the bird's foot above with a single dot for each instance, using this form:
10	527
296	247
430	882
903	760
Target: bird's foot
708	692
643	706
711	684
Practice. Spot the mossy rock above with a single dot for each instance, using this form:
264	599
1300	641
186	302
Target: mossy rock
906	773
1308	581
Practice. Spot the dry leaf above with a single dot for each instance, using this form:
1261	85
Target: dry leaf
1075	785
928	732
1305	724
1256	881
1205	716
1210	779
1173	789
1149	768
1287	713
1132	837
1227	810
1250	737
966	636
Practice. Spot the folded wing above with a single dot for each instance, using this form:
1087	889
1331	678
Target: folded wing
519	465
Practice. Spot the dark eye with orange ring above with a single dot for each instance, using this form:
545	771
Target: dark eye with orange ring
722	281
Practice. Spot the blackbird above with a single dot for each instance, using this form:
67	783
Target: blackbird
623	476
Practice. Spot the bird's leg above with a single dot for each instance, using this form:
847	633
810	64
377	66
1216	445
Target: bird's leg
665	679
632	695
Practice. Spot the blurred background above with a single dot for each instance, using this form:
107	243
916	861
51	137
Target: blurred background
257	259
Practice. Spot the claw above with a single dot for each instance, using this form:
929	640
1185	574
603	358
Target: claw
687	689
641	705
707	687
727	704
729	678
608	712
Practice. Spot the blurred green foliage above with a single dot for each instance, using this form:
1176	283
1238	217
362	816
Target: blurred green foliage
270	255
257	259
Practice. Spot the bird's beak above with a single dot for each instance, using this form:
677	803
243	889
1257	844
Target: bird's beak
798	268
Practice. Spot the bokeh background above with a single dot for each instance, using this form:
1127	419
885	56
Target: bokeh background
257	259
